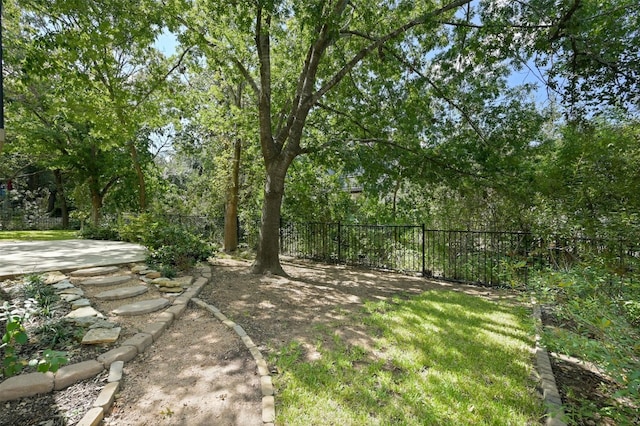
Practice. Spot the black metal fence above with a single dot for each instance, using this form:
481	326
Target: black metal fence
24	222
490	258
480	257
396	248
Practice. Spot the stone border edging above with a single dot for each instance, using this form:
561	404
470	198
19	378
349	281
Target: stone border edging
266	383
550	395
31	384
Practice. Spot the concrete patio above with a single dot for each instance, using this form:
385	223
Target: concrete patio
25	257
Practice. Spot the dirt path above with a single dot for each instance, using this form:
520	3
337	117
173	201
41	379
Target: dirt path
198	373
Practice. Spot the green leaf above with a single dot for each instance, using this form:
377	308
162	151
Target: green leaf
21	338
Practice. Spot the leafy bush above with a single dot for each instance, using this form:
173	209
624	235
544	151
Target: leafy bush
170	246
58	334
101	232
168	271
179	248
44	295
14	335
140	229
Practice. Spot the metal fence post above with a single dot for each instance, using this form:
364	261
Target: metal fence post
424	270
339	241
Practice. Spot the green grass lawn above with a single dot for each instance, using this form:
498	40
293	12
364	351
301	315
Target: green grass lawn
442	358
38	235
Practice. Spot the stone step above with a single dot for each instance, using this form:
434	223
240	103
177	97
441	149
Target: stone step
74	290
142	307
108	281
96	336
122	293
54	277
70	297
62	285
92	272
80	303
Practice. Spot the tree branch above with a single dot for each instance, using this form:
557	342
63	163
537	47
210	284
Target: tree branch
307	79
557	33
163	78
439	91
443	96
344	114
358	57
440	163
200	32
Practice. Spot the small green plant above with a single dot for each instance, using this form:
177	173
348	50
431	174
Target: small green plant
58	334
12	363
44	295
14	335
167	412
52	361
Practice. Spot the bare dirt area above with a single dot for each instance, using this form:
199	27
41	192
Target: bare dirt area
275	310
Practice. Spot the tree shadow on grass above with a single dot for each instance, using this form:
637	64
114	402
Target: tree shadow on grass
438	362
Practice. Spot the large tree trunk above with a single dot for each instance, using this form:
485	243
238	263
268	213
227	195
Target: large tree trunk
64	209
267	258
96	206
231	210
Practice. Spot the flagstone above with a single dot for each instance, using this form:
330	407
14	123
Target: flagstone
122	293
170	289
97	336
70	297
54	277
142	307
80	303
74	290
63	285
91	272
87	311
184	281
139	268
108	281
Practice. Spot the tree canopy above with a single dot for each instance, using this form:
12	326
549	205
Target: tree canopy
412	102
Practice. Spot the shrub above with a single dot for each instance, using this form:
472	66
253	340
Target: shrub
176	247
170	246
44	295
58	334
140	229
101	232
